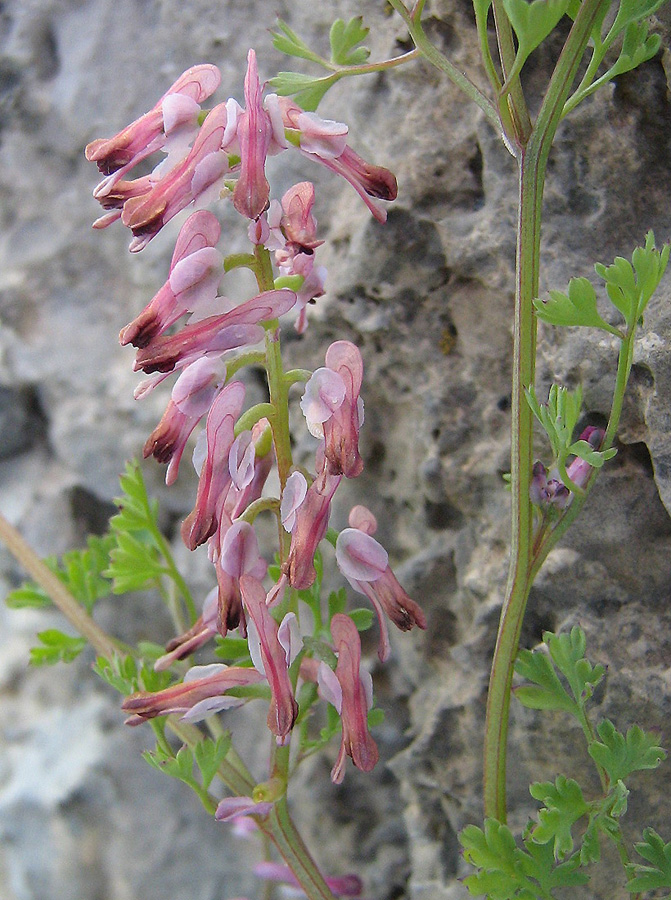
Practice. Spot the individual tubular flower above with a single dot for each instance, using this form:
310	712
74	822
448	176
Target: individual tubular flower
309	527
178	107
254	133
325	141
365	564
238	555
202	692
215	476
350	690
235	328
232	808
271	655
192	396
204	628
333	409
204	166
195	272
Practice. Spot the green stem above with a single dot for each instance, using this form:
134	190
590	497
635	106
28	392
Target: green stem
513	101
532	166
441	62
283	833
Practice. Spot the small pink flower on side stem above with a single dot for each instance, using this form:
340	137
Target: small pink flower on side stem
350	690
364	562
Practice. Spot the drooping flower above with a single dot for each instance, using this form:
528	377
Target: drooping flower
203	167
215	476
325	141
232	808
202	630
350	690
272	653
195	272
309	527
179	106
341	886
365	564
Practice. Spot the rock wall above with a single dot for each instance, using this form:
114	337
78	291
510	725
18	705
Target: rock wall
428	298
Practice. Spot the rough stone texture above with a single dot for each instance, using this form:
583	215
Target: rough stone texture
428	298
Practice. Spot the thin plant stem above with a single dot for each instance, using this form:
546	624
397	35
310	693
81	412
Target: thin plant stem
441	62
532	167
103	644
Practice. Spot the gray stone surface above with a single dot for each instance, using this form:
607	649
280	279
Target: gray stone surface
428	298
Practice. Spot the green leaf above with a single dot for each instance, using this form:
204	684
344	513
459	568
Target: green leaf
306	89
120	673
134	564
630	285
620	755
28	596
362	618
288	42
532	22
578	307
564	805
179	766
507	872
631	11
568	654
595	458
209	756
657	875
337	602
375	717
559	416
56	647
344	38
548	693
231	648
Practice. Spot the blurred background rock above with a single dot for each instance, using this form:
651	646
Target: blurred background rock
428	298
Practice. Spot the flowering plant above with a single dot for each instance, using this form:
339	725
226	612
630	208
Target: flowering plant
279	639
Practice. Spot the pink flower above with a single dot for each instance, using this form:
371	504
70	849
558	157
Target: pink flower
192	395
334	410
200	633
326	142
203	167
215	334
365	564
232	808
309	527
271	653
177	107
350	690
201	693
215	474
342	886
195	272
254	133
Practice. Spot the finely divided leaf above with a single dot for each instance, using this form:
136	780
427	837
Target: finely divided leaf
578	307
533	22
56	647
656	875
620	755
548	692
209	756
633	11
287	41
568	654
344	38
306	89
564	805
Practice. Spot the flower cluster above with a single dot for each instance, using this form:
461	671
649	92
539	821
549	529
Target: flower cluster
188	329
548	491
